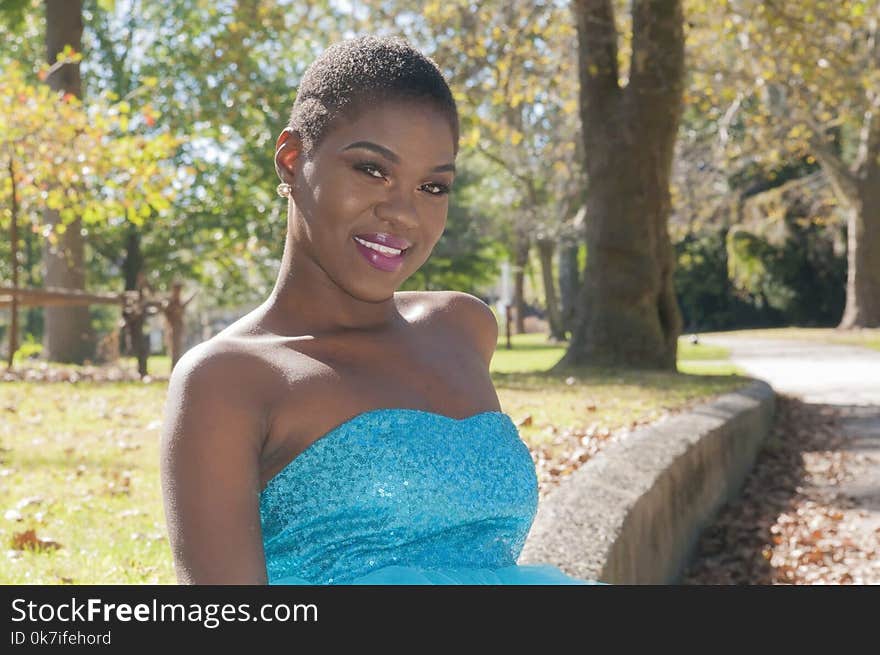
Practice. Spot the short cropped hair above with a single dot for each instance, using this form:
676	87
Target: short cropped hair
353	74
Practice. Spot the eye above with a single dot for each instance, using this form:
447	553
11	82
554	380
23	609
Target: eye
436	189
371	169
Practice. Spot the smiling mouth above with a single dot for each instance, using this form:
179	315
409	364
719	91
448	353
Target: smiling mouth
387	251
382	258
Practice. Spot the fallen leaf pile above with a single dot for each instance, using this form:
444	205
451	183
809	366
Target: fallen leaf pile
44	372
567	449
791	524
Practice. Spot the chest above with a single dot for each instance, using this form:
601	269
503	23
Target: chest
321	385
405	487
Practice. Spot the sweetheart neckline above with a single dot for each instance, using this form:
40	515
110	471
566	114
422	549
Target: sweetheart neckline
371	412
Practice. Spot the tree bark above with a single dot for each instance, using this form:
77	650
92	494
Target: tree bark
134	315
863	272
863	251
67	333
13	238
140	339
554	317
858	188
132	267
627	314
520	259
569	266
569	282
173	310
33	314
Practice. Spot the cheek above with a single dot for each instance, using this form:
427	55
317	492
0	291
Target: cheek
339	212
437	216
335	196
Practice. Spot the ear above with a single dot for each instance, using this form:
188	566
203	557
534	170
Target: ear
288	148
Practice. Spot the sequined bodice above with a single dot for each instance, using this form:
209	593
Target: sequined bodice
401	487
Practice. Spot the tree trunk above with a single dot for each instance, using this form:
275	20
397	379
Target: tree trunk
857	186
521	258
140	341
33	314
545	252
137	341
569	282
863	251
67	334
132	266
174	312
13	239
627	314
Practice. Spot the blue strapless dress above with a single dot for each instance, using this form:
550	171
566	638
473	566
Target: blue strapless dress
405	496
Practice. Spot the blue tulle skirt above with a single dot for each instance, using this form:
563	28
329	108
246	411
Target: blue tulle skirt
517	574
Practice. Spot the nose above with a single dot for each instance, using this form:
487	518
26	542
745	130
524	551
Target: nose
398	209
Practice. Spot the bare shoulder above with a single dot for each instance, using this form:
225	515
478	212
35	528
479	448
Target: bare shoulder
217	363
210	449
460	310
215	413
220	374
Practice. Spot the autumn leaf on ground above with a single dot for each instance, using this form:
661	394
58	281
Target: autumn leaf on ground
28	540
791	524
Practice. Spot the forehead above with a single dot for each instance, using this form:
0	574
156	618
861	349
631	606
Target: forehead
417	131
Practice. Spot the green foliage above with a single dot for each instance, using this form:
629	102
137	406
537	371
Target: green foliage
728	279
753	179
29	348
74	157
704	292
802	281
751	264
217	80
12	12
104	318
225	77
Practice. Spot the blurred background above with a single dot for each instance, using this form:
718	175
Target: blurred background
151	163
633	178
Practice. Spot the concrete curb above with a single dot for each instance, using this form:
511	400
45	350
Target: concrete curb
633	513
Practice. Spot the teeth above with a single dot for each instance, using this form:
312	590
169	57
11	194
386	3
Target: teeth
385	250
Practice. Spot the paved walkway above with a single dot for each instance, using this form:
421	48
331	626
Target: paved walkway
847	378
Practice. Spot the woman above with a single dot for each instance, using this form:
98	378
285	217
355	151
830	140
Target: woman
344	432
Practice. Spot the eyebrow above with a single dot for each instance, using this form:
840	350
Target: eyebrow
390	156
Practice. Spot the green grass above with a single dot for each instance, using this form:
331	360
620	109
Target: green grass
865	337
532	352
158	365
79	462
603	398
86	457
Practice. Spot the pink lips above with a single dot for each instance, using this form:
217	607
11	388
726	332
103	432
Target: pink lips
377	259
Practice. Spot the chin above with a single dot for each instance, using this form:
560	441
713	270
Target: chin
373	294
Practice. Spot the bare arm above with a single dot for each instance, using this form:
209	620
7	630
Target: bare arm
210	452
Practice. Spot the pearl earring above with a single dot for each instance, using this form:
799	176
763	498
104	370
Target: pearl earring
283	190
